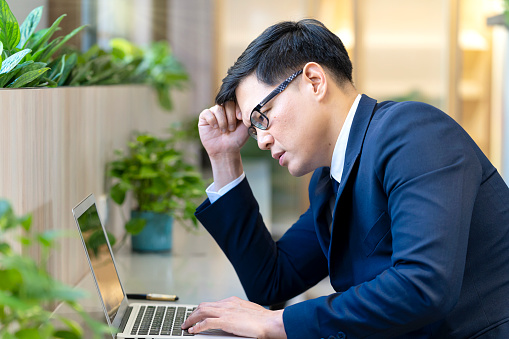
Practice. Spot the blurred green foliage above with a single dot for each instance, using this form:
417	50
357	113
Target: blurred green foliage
26	286
31	59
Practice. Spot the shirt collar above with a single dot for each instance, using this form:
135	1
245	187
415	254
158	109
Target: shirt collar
338	156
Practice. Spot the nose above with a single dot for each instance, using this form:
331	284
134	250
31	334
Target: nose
265	139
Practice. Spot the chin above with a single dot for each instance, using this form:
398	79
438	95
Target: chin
298	172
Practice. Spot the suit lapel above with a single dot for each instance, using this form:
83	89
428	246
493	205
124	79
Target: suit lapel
320	185
358	132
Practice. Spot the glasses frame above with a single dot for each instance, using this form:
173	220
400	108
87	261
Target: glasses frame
256	124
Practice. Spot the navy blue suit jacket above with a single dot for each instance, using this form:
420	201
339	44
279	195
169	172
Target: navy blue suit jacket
419	246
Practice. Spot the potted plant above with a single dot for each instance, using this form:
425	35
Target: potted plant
26	286
164	186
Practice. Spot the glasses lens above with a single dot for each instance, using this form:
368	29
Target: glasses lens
252	132
259	120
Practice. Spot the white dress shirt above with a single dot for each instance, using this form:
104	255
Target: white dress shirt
338	157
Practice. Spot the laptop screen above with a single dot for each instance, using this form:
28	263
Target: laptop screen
101	260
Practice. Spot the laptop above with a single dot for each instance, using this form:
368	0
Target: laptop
127	320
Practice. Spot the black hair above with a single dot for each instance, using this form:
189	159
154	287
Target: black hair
283	49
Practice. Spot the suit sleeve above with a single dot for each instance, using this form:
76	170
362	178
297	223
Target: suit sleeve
270	272
430	175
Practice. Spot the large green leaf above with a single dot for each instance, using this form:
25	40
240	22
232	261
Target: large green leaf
28	77
28	67
7	77
53	50
12	61
29	25
1	51
9	27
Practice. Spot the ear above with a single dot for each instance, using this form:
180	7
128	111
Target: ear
314	75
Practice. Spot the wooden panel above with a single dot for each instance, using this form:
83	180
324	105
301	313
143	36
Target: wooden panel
55	144
72	9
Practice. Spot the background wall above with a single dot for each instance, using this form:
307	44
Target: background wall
55	144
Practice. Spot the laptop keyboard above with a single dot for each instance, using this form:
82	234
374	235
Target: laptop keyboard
160	320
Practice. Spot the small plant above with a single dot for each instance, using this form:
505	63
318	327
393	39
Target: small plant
25	286
26	56
159	178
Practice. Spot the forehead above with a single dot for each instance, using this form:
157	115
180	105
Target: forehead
249	93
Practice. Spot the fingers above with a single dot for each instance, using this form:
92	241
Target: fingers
230	110
223	117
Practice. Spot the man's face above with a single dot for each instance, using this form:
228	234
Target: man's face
294	136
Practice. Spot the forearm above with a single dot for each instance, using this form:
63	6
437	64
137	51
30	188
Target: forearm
226	167
269	272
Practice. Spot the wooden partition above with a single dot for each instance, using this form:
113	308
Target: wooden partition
54	146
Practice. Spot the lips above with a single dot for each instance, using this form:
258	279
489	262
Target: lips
279	156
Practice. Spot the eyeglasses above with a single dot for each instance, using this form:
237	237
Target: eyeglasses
260	120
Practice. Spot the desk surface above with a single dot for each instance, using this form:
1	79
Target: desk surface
196	271
194	277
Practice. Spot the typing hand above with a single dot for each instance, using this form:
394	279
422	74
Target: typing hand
237	316
221	129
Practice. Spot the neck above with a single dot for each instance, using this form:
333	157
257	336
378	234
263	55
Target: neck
338	107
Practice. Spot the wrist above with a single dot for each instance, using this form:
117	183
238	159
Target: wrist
226	167
276	327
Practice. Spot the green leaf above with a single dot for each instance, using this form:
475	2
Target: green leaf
26	221
29	25
28	77
70	63
9	27
39	55
12	61
117	193
66	334
1	51
36	37
50	53
135	225
47	238
4	248
6	78
163	95
13	302
28	333
147	172
9	279
47	34
73	326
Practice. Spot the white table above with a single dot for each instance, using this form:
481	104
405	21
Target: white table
196	271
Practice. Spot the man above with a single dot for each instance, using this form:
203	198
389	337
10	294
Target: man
407	216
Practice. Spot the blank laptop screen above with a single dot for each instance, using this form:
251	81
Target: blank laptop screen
103	267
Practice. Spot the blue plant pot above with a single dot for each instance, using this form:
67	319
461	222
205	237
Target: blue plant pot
156	235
